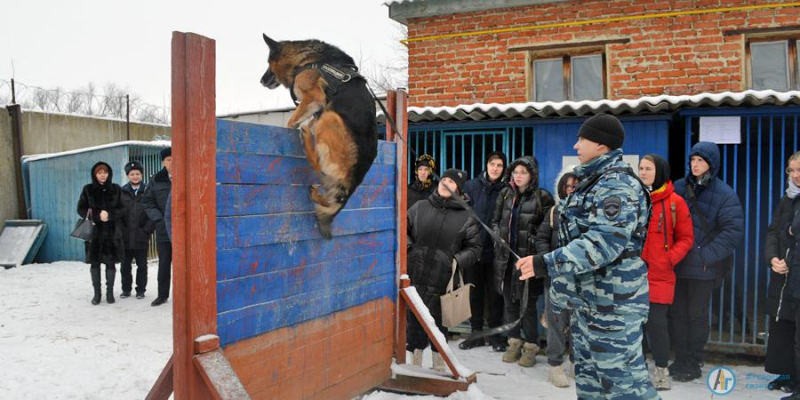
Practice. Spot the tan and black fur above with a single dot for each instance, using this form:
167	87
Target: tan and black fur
339	134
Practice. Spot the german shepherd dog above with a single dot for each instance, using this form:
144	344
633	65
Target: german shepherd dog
336	116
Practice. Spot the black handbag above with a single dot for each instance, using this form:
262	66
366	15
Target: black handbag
84	228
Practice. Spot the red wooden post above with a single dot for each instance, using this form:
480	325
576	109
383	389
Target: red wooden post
400	111
194	226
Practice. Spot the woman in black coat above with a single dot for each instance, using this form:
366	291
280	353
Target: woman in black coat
779	245
102	201
521	207
440	231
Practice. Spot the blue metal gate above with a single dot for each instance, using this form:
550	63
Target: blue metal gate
464	145
755	169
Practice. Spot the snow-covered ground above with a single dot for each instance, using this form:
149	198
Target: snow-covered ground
55	345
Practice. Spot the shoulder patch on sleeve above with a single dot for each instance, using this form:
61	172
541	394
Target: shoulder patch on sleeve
612	206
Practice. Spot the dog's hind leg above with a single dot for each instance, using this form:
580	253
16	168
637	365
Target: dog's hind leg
337	155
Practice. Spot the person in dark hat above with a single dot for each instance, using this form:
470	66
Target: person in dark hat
483	191
597	271
137	231
423	184
155	205
441	233
101	202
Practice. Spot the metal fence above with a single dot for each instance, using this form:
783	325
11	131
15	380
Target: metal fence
755	169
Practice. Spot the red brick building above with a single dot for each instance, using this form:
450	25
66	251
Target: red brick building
463	52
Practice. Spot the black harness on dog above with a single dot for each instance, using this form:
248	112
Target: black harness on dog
335	76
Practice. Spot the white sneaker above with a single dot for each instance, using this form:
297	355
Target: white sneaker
558	377
661	380
417	360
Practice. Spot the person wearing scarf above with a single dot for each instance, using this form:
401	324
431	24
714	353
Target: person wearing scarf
423	184
782	305
669	237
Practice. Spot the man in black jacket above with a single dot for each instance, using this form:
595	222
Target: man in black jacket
137	230
155	205
483	191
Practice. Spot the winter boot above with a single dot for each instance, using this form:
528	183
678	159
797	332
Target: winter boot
471	343
417	359
514	351
438	362
96	283
558	376
111	273
569	366
661	381
529	351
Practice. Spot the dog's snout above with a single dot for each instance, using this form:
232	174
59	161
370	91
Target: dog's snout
269	80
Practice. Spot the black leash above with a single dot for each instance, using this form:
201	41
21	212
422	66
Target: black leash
495	237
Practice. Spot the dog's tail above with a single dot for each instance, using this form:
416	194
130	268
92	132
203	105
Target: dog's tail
334	199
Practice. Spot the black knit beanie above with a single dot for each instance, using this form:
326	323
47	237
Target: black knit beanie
458	176
603	129
166	153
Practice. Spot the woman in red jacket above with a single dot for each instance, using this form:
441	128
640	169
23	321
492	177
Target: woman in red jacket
669	237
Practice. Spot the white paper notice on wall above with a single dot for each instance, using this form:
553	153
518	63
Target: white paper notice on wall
721	130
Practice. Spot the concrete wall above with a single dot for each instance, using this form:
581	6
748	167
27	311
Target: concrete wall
52	133
8	193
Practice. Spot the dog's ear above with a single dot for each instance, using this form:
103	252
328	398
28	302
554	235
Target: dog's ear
273	45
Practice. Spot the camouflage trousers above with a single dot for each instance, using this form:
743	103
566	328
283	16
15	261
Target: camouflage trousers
609	363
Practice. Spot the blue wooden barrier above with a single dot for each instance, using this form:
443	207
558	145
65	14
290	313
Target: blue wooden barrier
273	267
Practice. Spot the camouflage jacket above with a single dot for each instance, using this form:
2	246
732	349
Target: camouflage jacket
602	229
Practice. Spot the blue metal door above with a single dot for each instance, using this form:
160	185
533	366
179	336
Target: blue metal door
754	168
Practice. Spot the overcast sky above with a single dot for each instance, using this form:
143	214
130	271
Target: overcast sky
67	44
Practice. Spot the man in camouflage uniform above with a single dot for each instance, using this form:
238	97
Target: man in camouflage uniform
598	272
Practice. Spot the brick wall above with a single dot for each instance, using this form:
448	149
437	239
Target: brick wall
665	55
336	357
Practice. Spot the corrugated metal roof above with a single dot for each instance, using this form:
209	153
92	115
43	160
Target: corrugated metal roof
649	104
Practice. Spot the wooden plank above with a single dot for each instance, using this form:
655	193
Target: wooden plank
439	346
246	138
279	170
219	376
293	227
193	204
162	389
258	289
401	113
206	343
235	200
252	321
429	386
238	262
